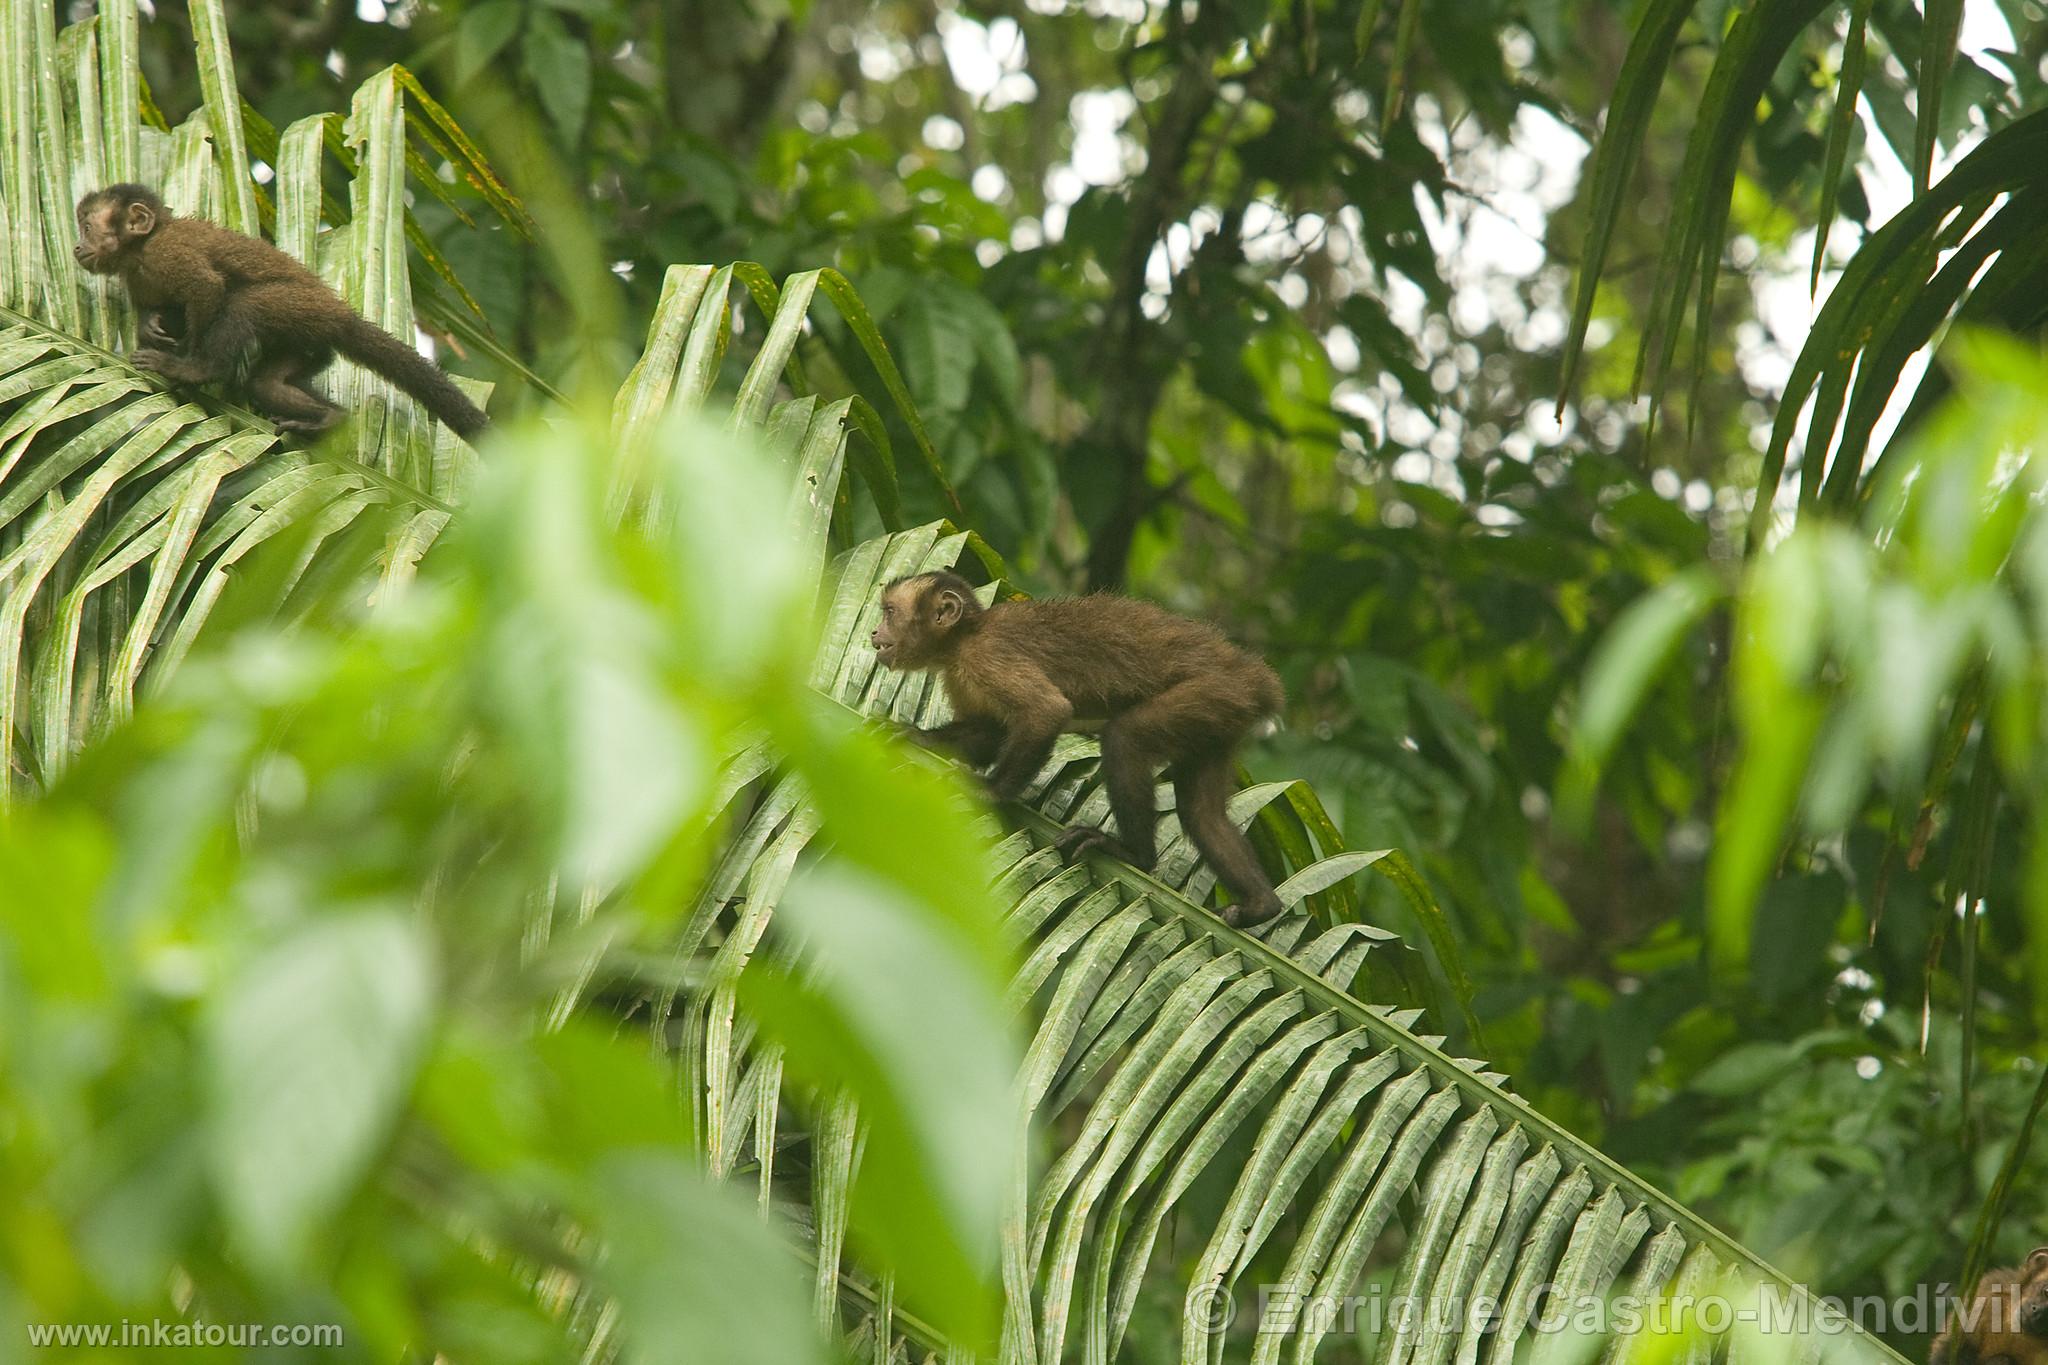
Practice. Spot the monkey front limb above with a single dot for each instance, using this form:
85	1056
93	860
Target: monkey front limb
977	739
153	332
1026	748
172	366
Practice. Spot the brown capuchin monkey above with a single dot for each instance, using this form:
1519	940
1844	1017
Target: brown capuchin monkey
1168	690
240	297
2004	1323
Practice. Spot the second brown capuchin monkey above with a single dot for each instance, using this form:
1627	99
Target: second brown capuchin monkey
1169	691
242	304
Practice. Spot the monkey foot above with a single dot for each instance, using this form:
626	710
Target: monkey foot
172	366
1248	916
1075	840
310	426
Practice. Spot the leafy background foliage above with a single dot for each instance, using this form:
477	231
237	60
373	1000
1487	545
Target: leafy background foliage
1698	734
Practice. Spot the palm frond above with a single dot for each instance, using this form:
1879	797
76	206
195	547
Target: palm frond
1754	48
122	512
1969	249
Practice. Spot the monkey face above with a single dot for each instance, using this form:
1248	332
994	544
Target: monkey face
899	639
2033	1307
106	228
919	616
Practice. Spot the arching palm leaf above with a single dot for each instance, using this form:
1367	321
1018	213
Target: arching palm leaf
1754	51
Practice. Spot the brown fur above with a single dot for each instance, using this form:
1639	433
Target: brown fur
2005	1322
240	297
1168	690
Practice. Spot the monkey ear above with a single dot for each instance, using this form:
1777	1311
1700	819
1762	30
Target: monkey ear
2037	1261
947	608
140	220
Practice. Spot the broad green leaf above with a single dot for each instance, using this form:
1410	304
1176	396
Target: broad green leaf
578	667
311	1047
689	1261
224	113
1841	126
1630	659
559	68
890	1006
482	34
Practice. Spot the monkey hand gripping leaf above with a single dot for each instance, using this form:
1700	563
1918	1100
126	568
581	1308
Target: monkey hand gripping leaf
2004	1323
1169	691
241	297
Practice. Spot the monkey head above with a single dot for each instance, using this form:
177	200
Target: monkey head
923	618
2033	1306
114	221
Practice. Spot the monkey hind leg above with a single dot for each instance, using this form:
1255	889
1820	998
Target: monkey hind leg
1181	727
224	349
278	386
1201	789
1132	746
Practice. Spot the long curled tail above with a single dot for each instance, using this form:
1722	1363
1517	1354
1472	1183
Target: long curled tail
374	348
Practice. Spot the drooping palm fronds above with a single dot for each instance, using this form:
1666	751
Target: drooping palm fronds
1970	249
687	340
1968	252
1895	269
